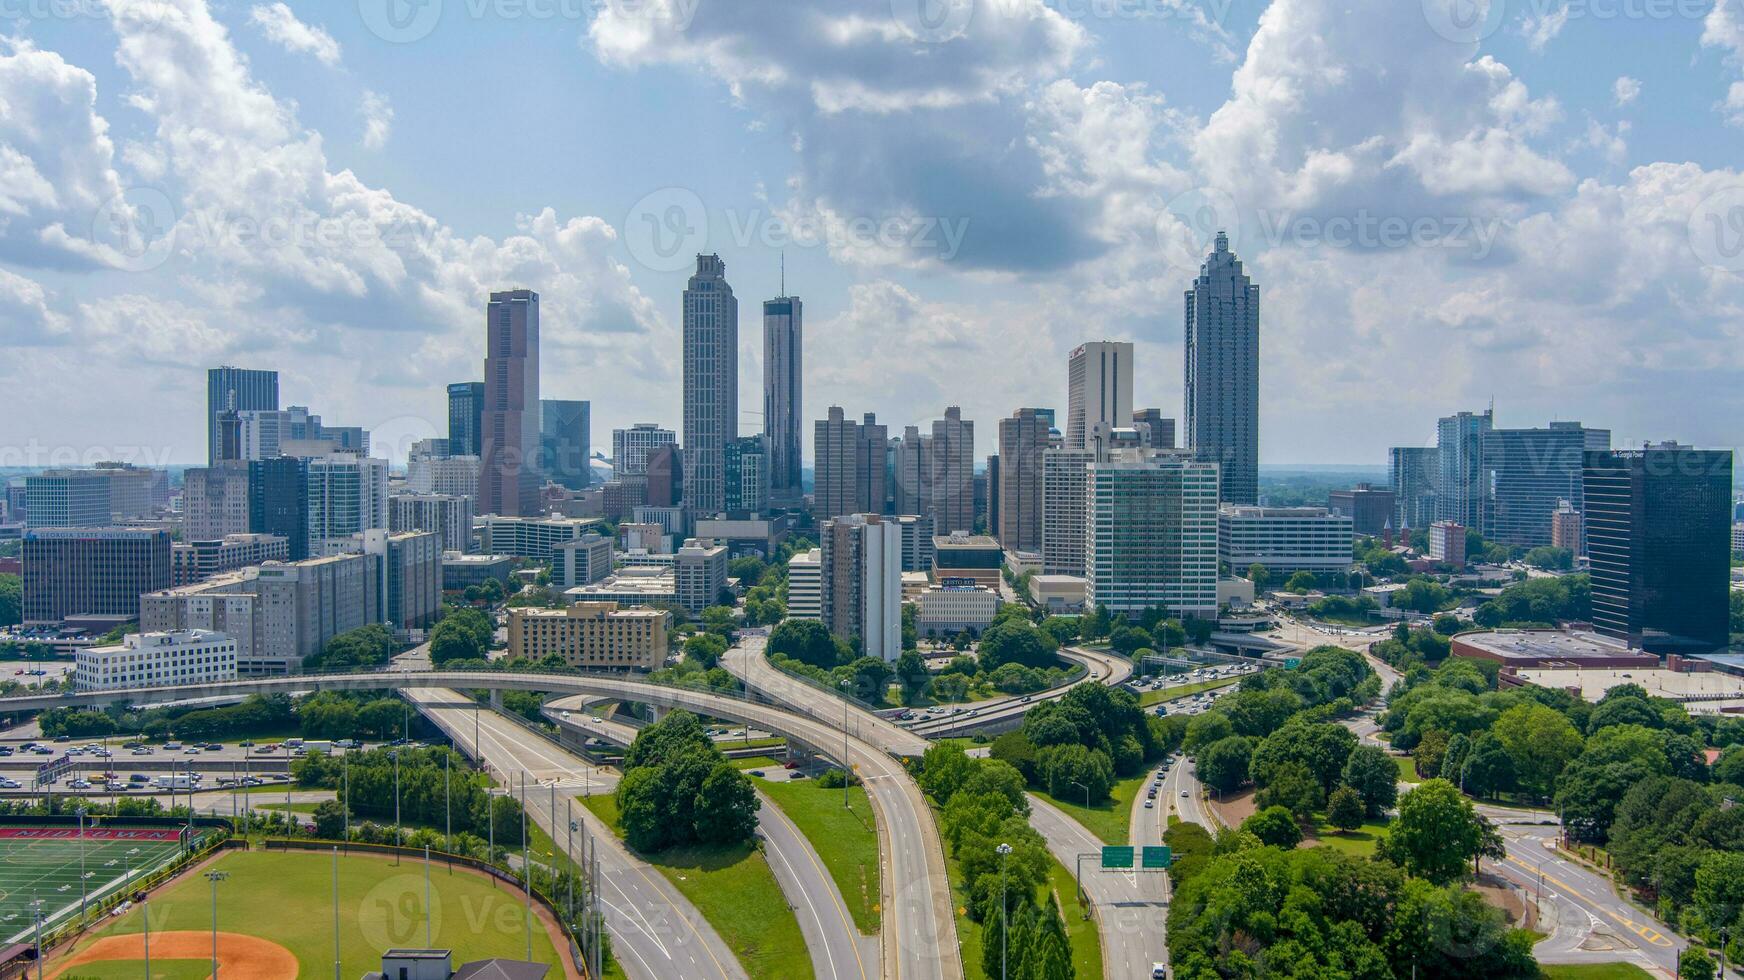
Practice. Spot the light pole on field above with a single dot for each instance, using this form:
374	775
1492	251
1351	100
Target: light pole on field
396	757
36	917
82	888
215	877
1004	919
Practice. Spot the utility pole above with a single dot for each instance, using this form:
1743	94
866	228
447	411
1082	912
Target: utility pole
526	864
336	966
1004	851
36	917
447	813
396	757
215	877
426	896
82	888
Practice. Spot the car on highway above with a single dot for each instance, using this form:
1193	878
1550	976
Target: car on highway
1159	972
1150	804
80	783
172	746
1183	794
6	782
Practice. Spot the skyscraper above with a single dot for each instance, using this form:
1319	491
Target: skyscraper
1064	476
630	447
783	394
214	501
1459	486
1413	472
563	442
509	428
232	389
1023	444
711	384
1656	523
1154	431
850	477
914	479
465	414
278	501
1527	472
747	475
952	453
1222	381
861	556
1098	393
1151	535
347	495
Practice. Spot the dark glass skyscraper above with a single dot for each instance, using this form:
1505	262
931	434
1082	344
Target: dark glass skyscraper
508	481
1656	523
1525	473
1222	382
465	411
783	390
563	442
278	501
231	389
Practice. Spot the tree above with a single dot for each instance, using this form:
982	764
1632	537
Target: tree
11	600
1344	809
1539	741
726	810
911	672
1274	826
1696	964
1448	624
806	641
1223	764
1615	759
1488	770
1301	582
1550	559
1067	770
1371	773
1437	834
1260	576
358	649
943	770
1294	788
463	634
1016	642
705	649
870	677
1321	748
330	820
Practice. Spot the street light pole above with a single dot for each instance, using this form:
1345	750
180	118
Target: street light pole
215	877
82	888
1004	916
396	758
36	917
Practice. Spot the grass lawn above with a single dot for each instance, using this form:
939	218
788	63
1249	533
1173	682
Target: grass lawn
286	897
1407	769
846	840
1110	820
1080	932
757	762
294	807
736	892
1360	842
1596	971
1149	698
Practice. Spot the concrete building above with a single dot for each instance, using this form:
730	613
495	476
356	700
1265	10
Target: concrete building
912	468
700	574
214	501
509	422
278	501
783	396
952	458
530	537
1098	393
452	476
955	606
234	390
407	576
293	431
1460	491
1058	593
1447	543
1064	510
564	448
1370	509
347	495
466	421
711	384
196	561
850	472
1656	523
917	542
805	586
1151	536
1222	376
664	483
630	447
746	473
650	538
98	572
1154	430
183	658
975	557
1738	537
631	585
1414	472
862	582
584	561
1567	530
759	536
68	498
135	492
1023	444
460	571
1286	540
1540	649
448	515
1527	472
591	635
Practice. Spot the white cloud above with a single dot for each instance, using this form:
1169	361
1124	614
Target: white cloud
1625	90
378	119
279	24
25	317
1540	29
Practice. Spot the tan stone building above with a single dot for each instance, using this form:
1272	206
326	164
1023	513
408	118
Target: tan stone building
591	635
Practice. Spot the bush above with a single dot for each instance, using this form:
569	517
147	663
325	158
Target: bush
1274	826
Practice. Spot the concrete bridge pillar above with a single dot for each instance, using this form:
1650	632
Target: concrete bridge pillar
656	713
496	699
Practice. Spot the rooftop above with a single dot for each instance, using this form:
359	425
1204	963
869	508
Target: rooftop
1543	644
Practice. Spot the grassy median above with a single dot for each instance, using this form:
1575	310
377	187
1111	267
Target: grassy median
1111	820
845	838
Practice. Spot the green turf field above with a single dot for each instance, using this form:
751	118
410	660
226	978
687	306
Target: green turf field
48	869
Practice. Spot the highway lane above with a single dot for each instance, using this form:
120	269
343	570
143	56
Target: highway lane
656	932
1131	906
920	930
1099	668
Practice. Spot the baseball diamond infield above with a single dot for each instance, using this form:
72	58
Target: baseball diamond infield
239	957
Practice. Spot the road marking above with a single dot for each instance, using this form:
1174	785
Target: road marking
1646	932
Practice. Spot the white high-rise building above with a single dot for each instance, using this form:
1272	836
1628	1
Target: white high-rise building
449	516
182	658
861	558
214	502
1151	535
453	476
1286	540
711	384
1098	393
805	586
630	447
347	495
1064	478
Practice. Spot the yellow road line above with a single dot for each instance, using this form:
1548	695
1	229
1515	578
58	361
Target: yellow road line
1648	933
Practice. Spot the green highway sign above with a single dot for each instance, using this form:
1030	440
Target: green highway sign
1291	663
1117	857
1155	857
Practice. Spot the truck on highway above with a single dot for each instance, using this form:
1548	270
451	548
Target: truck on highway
180	780
317	745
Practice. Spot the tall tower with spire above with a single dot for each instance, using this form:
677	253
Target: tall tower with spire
711	384
1222	380
783	391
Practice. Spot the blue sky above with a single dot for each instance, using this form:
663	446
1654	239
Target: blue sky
1545	214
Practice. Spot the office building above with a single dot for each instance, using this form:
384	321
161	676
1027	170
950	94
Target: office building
916	534
214	501
860	555
1370	508
630	447
987	495
912	493
408	576
1286	540
1154	431
591	635
700	574
1447	543
1222	379
465	420
952	457
68	498
278	501
1656	522
91	572
1098	393
783	395
1151	536
1460	492
461	571
759	535
563	442
974	557
805	586
509	428
347	495
135	492
231	389
1526	472
530	537
850	469
448	516
454	476
1065	476
665	478
955	606
1414	472
294	431
196	561
1566	528
584	561
1023	445
184	658
711	384
746	474
1738	537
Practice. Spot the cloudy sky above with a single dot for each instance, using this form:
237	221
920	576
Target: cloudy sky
1445	203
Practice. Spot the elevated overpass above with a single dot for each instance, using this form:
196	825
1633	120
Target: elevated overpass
1006	714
